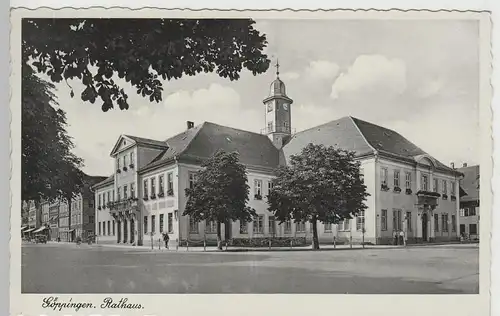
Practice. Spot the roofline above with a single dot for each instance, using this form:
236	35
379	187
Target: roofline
363	135
102	184
284	97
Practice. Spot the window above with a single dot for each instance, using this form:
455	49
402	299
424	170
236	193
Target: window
131	158
258	189
109	227
269	127
118	163
328	227
436	185
170	184
396	220
192	179
161	223
383	176
360	221
270	186
146	188
452	189
462	212
285	126
472	229
114	228
453	223
104	228
170	225
91	219
211	227
125	191
119	193
153	187
396	178
153	223
444	222
161	186
408	222
258	224
445	187
113	195
408	180
472	211
193	226
145	224
272	225
243	227
132	190
124	161
100	202
99	228
109	198
436	222
300	227
343	225
288	226
425	182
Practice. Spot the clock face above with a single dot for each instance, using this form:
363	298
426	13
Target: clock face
285	107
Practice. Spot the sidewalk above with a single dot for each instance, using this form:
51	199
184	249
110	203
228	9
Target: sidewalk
266	249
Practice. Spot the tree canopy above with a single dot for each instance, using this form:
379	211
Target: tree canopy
143	52
46	145
220	193
321	184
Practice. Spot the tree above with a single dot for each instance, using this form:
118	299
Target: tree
140	51
220	193
46	145
320	184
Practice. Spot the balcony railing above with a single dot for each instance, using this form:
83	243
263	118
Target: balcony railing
130	203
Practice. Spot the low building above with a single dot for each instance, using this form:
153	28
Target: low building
410	191
469	202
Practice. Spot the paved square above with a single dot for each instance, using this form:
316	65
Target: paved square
67	268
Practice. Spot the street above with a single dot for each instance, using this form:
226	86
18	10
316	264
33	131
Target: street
67	268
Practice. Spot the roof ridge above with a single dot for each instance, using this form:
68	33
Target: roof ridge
362	135
321	125
236	129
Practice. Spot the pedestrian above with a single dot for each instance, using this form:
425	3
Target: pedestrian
166	239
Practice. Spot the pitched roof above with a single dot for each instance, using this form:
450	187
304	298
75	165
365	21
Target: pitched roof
362	137
201	142
470	183
107	180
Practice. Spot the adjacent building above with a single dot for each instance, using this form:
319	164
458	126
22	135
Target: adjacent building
410	191
469	202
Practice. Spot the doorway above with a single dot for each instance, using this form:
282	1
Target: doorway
119	231
424	227
125	231
462	229
132	231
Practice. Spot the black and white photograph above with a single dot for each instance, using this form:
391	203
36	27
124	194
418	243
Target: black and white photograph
252	154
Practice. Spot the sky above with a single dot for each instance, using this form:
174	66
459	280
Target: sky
417	77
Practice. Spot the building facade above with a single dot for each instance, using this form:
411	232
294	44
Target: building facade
469	202
410	191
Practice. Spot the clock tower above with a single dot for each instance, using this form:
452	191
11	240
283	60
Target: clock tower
278	112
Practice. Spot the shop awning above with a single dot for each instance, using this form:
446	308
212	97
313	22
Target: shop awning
40	229
29	230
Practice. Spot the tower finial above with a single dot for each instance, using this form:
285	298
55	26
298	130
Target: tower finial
277	68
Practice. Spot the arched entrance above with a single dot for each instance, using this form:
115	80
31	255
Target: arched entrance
132	231
125	231
424	227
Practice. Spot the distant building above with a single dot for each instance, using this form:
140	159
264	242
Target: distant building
410	191
469	202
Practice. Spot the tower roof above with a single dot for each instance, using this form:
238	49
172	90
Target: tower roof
277	88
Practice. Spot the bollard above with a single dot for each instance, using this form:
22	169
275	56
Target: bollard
204	245
334	242
350	241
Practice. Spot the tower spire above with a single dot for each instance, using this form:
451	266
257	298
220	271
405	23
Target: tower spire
277	65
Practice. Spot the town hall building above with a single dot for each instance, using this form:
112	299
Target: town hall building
410	191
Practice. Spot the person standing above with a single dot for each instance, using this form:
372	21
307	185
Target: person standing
166	239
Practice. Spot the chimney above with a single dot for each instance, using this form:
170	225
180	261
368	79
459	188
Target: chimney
464	165
190	124
452	165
